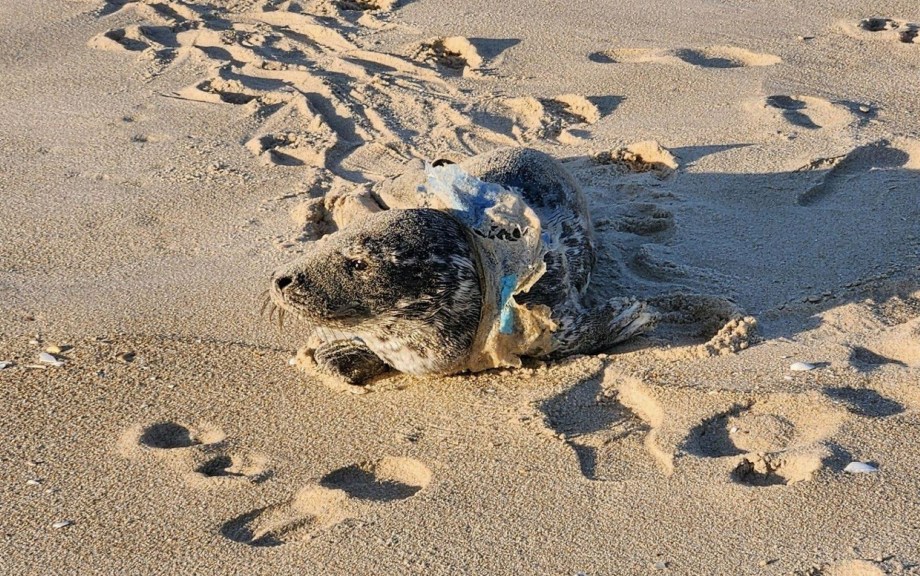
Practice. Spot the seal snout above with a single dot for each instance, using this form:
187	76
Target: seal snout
284	283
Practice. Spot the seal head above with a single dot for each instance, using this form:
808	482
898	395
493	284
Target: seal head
402	282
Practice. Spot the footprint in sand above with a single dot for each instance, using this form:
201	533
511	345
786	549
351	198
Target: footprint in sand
638	158
158	44
366	5
343	493
201	453
779	439
799	111
609	424
555	118
708	57
896	342
452	55
315	86
869	163
882	28
642	219
131	38
864	401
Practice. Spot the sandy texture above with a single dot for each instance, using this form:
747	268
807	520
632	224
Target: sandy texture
752	169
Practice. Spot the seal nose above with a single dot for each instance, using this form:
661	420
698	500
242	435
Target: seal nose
282	282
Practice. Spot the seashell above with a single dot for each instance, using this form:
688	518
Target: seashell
860	468
5	365
46	358
801	367
33	481
62	524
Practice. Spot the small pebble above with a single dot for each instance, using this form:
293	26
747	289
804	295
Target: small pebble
860	468
5	365
33	481
733	429
53	349
34	342
62	524
292	362
865	109
49	359
661	565
126	357
801	367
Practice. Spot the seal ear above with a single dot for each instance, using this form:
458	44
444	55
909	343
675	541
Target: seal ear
442	162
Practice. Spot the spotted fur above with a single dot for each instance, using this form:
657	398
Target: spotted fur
403	286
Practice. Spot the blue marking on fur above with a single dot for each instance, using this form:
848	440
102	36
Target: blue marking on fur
506	322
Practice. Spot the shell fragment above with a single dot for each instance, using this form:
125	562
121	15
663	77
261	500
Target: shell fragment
46	358
801	367
860	468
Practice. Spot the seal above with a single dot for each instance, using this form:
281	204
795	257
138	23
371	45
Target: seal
465	267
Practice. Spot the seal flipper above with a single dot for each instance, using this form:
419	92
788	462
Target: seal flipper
349	360
586	331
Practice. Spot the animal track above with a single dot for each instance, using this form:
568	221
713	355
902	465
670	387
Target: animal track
708	57
332	500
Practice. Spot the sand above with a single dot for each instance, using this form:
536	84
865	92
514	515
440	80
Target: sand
752	169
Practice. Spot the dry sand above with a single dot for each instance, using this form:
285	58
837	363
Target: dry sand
152	154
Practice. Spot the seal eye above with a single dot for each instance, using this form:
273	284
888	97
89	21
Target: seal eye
356	265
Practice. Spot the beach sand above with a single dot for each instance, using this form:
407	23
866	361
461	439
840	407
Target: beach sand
752	167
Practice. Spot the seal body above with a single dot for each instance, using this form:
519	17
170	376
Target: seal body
405	288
